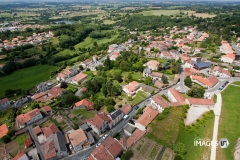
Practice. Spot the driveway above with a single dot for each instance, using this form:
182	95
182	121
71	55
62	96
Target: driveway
217	112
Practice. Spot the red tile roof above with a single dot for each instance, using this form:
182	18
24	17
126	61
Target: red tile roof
28	142
3	130
177	95
24	118
77	137
156	74
200	101
98	120
47	109
112	146
48	149
126	108
161	101
211	81
148	115
80	77
54	92
3	100
231	56
100	153
86	103
108	150
50	130
37	130
159	84
136	136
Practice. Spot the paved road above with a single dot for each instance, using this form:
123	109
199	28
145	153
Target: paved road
83	155
35	140
236	48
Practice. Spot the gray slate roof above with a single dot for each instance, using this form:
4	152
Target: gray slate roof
84	126
147	70
203	64
115	114
59	141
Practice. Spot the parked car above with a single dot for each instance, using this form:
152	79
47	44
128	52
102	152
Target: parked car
220	88
105	136
98	144
136	107
126	117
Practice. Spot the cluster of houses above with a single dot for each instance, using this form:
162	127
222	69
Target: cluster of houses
35	39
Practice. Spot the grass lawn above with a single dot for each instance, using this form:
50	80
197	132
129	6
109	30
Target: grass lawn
187	138
229	121
167	131
7	116
21	139
54	40
25	78
237	83
109	22
88	42
215	98
139	96
86	114
135	75
160	12
168	127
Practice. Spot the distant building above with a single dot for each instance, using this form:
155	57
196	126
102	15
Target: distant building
4	103
83	104
3	130
116	116
79	78
78	138
131	88
99	123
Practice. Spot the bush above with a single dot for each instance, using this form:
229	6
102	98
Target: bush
110	108
127	155
140	111
5	139
178	157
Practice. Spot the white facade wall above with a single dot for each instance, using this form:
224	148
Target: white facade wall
171	97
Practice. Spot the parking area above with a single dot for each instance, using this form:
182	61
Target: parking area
194	113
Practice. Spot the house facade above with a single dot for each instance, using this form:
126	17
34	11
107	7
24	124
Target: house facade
4	103
159	102
131	88
24	119
99	123
77	138
116	116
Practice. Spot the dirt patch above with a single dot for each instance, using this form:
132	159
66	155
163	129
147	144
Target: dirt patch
71	116
194	113
13	148
58	119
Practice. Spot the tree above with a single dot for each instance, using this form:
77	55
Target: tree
107	63
140	111
98	103
69	99
127	155
188	82
34	105
196	92
5	139
164	79
178	157
129	77
110	109
63	84
148	81
124	65
179	148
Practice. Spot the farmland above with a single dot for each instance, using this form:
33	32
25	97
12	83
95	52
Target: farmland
25	78
160	12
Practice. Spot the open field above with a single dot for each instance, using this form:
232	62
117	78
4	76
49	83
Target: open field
85	13
187	138
160	12
203	15
229	121
109	22
25	78
19	14
168	132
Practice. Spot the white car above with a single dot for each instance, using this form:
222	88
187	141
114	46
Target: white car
105	136
98	144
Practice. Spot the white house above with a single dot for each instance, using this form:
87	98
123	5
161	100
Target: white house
116	116
131	88
175	96
159	102
228	58
220	72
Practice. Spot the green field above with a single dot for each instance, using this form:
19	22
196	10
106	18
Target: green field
160	12
168	132
25	78
21	139
109	22
229	121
